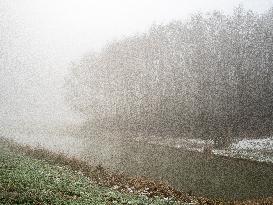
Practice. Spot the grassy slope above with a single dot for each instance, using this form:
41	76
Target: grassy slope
37	176
25	180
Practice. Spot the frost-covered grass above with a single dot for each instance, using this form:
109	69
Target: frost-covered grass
25	180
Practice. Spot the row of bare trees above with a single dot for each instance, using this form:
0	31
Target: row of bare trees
208	77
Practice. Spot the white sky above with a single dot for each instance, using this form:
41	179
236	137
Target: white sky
87	24
49	34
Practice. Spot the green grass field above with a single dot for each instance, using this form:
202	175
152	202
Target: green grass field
26	180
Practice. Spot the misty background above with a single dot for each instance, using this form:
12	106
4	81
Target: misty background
170	90
39	40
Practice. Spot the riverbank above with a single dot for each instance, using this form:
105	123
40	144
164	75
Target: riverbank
37	176
259	149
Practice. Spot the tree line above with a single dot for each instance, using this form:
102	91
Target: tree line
209	77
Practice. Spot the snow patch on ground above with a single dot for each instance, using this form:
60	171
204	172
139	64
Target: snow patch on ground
180	143
254	149
254	144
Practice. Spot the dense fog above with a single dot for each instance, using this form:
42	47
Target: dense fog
209	77
177	91
40	39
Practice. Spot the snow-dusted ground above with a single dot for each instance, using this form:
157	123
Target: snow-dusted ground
254	149
181	143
